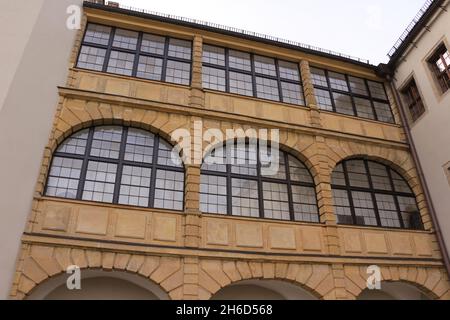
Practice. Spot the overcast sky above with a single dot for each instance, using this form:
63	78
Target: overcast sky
362	28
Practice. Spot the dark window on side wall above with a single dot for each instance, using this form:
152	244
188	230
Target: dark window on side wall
413	100
440	65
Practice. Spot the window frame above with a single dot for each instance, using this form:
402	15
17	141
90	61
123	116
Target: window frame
137	53
86	158
260	179
413	99
253	74
439	76
348	188
354	95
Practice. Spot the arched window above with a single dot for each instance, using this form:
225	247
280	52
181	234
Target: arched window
240	187
368	193
119	165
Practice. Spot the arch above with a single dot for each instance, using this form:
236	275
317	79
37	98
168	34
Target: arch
371	193
243	182
397	290
120	165
263	290
100	285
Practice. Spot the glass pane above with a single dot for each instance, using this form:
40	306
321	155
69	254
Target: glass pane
139	146
180	49
214	79
244	159
338	81
169	190
241	83
121	63
245	198
377	90
76	144
289	70
342	207
299	173
305	204
266	66
338	176
358	86
106	142
64	177
383	111
410	213
135	186
97	34
268	164
100	180
388	211
364	209
380	177
357	174
91	58
149	68
213	55
364	108
239	60
213	194
125	39
292	93
216	160
323	99
267	89
168	155
153	44
276	201
343	103
178	72
319	78
400	184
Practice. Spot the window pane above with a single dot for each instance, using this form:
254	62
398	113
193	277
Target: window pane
388	211
168	155
153	44
364	209
342	207
244	159
305	204
241	83
121	63
377	90
150	68
364	108
106	142
140	145
245	198
91	58
100	180
213	55
318	77
169	190
380	177
125	39
97	34
267	89
323	99
216	160
338	81
135	186
64	178
299	173
343	103
358	86
76	144
276	201
410	213
213	194
239	60
268	159
292	93
214	79
178	72
383	111
400	184
266	66
289	70
338	176
180	49
357	174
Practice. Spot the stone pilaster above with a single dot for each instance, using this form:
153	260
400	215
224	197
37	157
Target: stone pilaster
310	97
197	94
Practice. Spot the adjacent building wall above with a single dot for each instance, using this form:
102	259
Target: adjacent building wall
431	133
35	51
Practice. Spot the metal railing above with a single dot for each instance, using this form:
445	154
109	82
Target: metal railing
410	27
240	31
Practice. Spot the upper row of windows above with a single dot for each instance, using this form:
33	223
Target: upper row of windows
153	57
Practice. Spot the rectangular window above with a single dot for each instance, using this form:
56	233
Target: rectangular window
251	75
351	95
413	100
440	65
136	54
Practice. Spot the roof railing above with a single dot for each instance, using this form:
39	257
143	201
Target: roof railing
410	27
236	30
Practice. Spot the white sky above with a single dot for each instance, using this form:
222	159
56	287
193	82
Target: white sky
362	28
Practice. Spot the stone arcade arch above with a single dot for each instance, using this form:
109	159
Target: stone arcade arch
395	291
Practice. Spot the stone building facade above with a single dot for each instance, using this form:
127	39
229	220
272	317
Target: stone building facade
189	254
